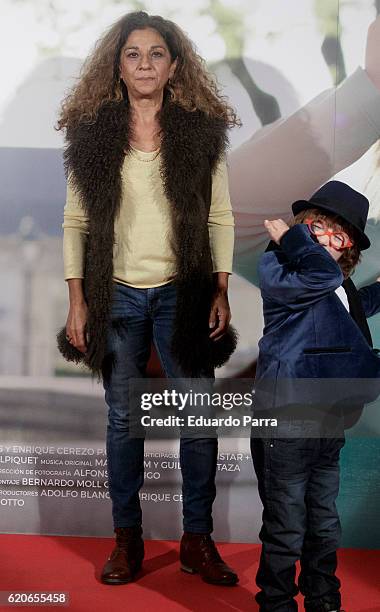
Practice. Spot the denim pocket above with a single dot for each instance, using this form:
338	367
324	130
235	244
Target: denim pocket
290	456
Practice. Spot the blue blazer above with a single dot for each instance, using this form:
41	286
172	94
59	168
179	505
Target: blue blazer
308	331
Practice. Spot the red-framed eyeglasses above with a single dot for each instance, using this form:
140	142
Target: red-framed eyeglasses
337	239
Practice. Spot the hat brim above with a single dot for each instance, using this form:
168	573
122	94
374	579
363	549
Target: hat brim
300	205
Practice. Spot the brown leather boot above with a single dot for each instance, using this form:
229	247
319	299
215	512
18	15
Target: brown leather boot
198	554
126	558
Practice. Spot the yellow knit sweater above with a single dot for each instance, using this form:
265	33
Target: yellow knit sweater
143	253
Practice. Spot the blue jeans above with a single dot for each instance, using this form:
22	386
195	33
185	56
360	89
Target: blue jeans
298	481
148	315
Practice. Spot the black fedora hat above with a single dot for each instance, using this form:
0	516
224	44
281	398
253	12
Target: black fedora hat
338	198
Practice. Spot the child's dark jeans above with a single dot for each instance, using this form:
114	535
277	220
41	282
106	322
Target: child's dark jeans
298	481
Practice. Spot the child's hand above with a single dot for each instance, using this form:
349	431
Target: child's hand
276	229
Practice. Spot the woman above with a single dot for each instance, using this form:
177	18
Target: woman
148	243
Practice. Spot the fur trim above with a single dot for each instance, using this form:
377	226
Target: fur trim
192	143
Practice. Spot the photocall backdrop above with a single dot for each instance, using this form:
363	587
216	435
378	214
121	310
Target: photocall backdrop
296	73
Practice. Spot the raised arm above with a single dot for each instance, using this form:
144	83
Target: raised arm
306	274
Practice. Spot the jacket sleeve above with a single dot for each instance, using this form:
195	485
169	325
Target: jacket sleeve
306	274
370	297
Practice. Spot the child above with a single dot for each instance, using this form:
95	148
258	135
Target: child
315	327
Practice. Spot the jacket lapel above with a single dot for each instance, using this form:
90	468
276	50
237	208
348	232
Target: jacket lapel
356	309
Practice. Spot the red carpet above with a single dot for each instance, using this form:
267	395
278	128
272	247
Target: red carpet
46	563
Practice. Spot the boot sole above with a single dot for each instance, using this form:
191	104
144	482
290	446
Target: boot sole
191	570
188	570
116	581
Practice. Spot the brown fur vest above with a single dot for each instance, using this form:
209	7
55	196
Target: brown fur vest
191	145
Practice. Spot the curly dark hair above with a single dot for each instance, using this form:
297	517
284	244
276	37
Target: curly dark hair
192	87
352	255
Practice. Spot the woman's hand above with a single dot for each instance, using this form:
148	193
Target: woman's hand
220	315
77	317
76	326
276	229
